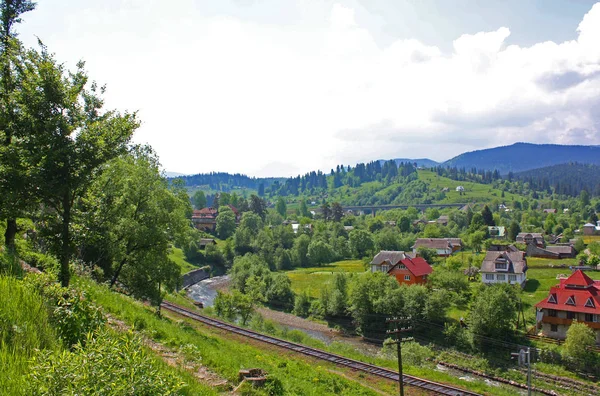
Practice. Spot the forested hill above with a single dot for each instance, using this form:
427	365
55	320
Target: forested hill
568	179
425	162
221	181
525	156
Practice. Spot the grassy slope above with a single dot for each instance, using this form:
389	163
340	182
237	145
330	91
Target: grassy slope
314	279
223	355
178	257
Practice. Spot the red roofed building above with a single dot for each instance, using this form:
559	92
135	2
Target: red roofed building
407	270
575	298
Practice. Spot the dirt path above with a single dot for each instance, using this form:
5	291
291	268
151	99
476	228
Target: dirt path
176	358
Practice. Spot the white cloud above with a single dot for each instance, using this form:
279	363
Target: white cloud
219	92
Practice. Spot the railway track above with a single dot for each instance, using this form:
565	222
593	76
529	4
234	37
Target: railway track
320	354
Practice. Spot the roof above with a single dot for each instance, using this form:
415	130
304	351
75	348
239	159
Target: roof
417	266
455	241
550	210
497	230
432	243
517	264
533	234
205	212
577	293
589	225
560	249
390	256
206	241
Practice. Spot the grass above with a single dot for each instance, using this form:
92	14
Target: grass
178	257
591	238
222	355
314	279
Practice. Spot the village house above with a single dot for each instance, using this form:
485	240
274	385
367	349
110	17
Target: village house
590	229
551	252
507	266
550	210
204	242
574	298
205	219
443	220
443	246
406	269
531	237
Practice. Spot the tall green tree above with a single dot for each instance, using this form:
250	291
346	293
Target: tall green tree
71	139
488	217
337	212
225	226
513	230
577	349
199	199
326	211
303	208
281	207
133	215
361	243
258	206
493	311
15	185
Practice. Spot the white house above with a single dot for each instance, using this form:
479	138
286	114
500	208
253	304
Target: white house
460	189
504	267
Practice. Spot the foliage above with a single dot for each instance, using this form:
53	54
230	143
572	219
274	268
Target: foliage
109	364
302	305
493	311
361	243
199	199
234	305
281	207
225	226
319	252
577	348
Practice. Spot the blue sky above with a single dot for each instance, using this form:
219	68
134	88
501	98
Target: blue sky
277	88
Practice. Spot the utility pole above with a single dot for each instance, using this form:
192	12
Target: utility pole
397	331
524	358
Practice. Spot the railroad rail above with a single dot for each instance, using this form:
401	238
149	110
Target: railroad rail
320	354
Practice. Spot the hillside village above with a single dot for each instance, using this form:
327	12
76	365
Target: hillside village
479	275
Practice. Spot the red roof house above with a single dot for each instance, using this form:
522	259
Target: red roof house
407	270
575	298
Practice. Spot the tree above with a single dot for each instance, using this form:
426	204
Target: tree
337	212
488	217
513	230
303	208
476	239
281	207
404	224
261	190
132	215
325	211
225	220
280	291
70	141
258	206
584	198
361	243
300	250
319	252
427	254
493	311
199	199
16	189
577	349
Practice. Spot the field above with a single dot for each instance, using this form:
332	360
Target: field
473	191
314	279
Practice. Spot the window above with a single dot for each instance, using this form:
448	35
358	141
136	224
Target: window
552	299
589	317
501	277
406	277
501	266
570	315
489	276
401	266
512	278
552	313
553	328
570	301
384	268
590	303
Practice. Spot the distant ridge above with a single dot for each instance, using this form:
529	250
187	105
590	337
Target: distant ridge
424	162
524	156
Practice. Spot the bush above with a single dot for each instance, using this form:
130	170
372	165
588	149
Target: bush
71	312
110	364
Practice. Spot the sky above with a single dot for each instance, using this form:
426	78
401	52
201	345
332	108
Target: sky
279	88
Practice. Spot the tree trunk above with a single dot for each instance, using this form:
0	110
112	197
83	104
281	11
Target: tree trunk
9	234
117	272
65	253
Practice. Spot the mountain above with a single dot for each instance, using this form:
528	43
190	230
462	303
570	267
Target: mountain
173	174
423	162
568	179
524	156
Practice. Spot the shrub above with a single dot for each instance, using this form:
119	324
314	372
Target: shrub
110	364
